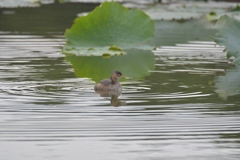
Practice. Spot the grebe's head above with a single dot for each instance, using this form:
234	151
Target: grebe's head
117	74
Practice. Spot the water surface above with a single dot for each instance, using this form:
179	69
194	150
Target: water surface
176	111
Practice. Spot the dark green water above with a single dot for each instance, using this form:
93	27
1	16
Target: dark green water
182	101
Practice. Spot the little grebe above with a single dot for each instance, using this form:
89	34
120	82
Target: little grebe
110	84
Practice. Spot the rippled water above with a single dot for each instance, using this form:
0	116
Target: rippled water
174	113
185	107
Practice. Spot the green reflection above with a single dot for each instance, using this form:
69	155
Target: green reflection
113	97
228	85
135	64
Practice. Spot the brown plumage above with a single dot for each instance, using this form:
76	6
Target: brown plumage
110	84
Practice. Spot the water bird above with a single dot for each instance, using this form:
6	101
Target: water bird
110	84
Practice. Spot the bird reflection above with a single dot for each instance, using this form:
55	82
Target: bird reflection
114	96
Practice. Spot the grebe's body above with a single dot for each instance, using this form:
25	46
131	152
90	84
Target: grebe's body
110	84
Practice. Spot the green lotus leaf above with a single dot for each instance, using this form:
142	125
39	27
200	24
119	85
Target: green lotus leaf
228	34
111	24
237	8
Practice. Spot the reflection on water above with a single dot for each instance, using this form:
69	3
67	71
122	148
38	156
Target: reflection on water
113	95
136	64
229	84
172	111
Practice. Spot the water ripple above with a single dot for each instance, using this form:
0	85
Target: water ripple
44	106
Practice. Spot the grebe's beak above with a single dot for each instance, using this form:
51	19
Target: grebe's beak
121	76
127	77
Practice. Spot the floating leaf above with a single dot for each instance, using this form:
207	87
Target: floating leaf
193	10
214	17
229	35
182	11
22	3
99	51
166	15
111	25
237	8
169	33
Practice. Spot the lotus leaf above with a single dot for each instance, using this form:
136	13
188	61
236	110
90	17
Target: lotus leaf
229	35
166	15
170	33
214	17
21	3
111	24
